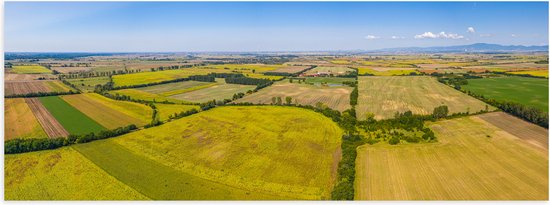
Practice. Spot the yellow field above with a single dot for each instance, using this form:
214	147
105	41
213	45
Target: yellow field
538	73
386	95
57	86
389	72
473	160
106	116
165	110
246	68
19	121
159	76
253	148
30	69
61	174
141	112
142	95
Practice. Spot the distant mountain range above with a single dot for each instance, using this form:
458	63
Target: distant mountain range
472	48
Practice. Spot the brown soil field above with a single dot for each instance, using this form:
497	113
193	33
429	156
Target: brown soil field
51	126
291	69
334	97
390	68
15	88
26	77
71	69
529	132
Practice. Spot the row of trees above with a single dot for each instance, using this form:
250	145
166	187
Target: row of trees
41	94
35	144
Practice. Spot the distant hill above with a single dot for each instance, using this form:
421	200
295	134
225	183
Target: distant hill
472	48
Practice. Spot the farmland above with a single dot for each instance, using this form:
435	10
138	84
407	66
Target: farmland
384	96
166	110
74	121
385	71
108	115
537	73
215	154
176	88
142	95
61	174
524	90
336	71
218	92
334	97
30	69
49	123
20	121
159	76
88	83
462	166
26	87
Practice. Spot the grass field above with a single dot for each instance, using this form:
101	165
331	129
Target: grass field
538	73
30	69
110	117
223	145
176	88
88	83
61	174
524	90
333	70
473	160
220	91
20	122
165	110
159	76
334	97
74	121
384	96
142	95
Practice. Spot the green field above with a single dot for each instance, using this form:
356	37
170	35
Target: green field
74	121
385	95
30	69
88	83
61	174
220	91
524	90
473	160
233	152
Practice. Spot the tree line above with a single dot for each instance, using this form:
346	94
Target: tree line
36	144
41	94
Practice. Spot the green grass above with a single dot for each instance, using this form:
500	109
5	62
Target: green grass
61	174
256	148
524	90
30	69
74	121
155	180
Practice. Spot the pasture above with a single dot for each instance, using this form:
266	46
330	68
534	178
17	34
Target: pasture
337	97
384	96
109	113
61	174
19	120
30	69
74	121
524	90
473	160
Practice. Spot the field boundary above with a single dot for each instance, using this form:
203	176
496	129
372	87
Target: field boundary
50	125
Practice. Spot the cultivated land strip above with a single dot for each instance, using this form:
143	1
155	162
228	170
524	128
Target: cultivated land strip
529	132
20	122
50	125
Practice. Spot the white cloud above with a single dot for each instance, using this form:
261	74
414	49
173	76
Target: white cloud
471	30
397	37
438	35
371	37
514	35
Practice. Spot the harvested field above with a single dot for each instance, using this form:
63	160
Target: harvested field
27	77
384	96
473	160
529	132
19	121
337	98
385	71
26	87
74	121
108	117
61	174
67	70
332	70
290	69
49	123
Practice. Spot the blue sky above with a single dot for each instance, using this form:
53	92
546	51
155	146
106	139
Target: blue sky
267	26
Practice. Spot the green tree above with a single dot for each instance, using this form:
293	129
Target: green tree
440	112
288	100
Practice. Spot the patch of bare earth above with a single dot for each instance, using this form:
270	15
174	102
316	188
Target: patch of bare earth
51	126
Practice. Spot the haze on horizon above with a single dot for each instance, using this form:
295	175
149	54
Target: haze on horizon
267	26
